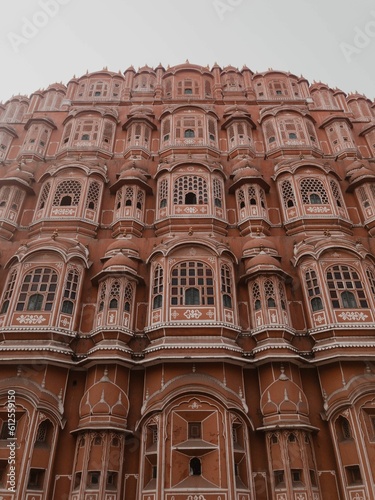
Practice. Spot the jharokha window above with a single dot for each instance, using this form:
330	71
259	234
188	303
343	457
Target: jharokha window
313	192
67	193
345	288
192	284
38	290
190	190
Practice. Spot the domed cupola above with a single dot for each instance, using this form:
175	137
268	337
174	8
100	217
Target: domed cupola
284	404
126	246
105	405
20	175
359	172
254	246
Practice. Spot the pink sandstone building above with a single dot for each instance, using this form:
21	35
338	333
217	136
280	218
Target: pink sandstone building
187	288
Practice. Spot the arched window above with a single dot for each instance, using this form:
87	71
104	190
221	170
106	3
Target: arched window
313	192
189	133
8	291
190	199
163	193
316	304
67	193
315	199
157	302
195	467
93	195
269	293
158	287
343	429
38	290
113	304
128	297
313	290
226	285
70	291
4	307
192	297
192	275
348	299
43	435
66	201
218	193
35	302
44	195
345	287
114	295
227	300
288	194
67	307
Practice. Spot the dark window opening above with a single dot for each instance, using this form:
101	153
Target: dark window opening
190	199
348	300
296	476
93	480
227	300
111	482
192	297
316	304
113	304
35	302
4	307
195	467
66	201
271	302
67	307
36	479
353	474
189	133
158	301
279	478
315	199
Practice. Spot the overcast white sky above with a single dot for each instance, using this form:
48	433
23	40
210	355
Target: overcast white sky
47	41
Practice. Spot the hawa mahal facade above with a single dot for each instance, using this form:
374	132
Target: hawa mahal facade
187	291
